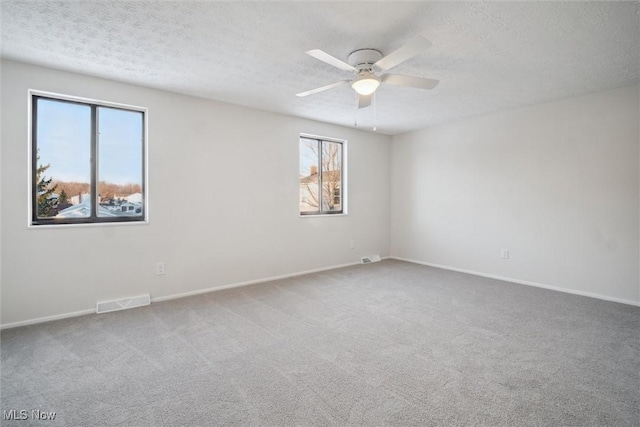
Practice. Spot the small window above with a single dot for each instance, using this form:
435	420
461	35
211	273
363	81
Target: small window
87	162
321	176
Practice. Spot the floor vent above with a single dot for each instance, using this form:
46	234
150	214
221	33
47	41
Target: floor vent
122	304
370	259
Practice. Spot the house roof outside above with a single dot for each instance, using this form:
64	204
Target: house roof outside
332	175
83	210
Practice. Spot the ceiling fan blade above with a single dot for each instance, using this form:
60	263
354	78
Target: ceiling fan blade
410	81
323	88
409	50
364	100
325	57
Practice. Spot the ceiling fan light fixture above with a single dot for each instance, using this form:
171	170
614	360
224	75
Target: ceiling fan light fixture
366	83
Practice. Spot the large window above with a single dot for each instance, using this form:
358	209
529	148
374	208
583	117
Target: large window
321	176
87	161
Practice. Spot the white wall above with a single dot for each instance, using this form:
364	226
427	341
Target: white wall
223	185
1	198
557	184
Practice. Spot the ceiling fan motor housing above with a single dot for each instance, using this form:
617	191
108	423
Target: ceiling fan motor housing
363	59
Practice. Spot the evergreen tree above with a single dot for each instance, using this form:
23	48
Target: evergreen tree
64	198
44	191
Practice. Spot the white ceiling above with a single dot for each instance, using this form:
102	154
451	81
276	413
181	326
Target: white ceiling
489	56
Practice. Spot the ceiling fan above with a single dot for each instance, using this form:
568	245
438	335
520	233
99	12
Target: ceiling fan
366	63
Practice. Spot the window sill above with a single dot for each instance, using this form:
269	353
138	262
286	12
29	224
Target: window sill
91	224
322	215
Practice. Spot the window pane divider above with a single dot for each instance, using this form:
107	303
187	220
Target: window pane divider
93	188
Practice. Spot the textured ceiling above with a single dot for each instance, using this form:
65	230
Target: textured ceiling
489	56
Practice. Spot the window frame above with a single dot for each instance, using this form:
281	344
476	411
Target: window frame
343	177
93	219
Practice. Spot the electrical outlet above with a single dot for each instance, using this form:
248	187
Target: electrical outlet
352	244
160	268
504	253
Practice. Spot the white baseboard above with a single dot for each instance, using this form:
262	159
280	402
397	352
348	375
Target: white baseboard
301	273
176	296
521	282
249	282
47	319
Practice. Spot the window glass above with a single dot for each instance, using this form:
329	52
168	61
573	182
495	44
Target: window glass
120	135
331	175
63	157
309	178
321	176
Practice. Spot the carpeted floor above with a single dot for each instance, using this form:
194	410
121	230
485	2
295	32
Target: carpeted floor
390	343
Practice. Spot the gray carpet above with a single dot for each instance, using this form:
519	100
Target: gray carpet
390	343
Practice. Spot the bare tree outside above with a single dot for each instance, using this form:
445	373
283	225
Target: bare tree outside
331	175
328	155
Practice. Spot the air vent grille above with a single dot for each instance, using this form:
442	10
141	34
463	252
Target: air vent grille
369	259
122	304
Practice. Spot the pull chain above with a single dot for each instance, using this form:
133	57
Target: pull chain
375	112
355	115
